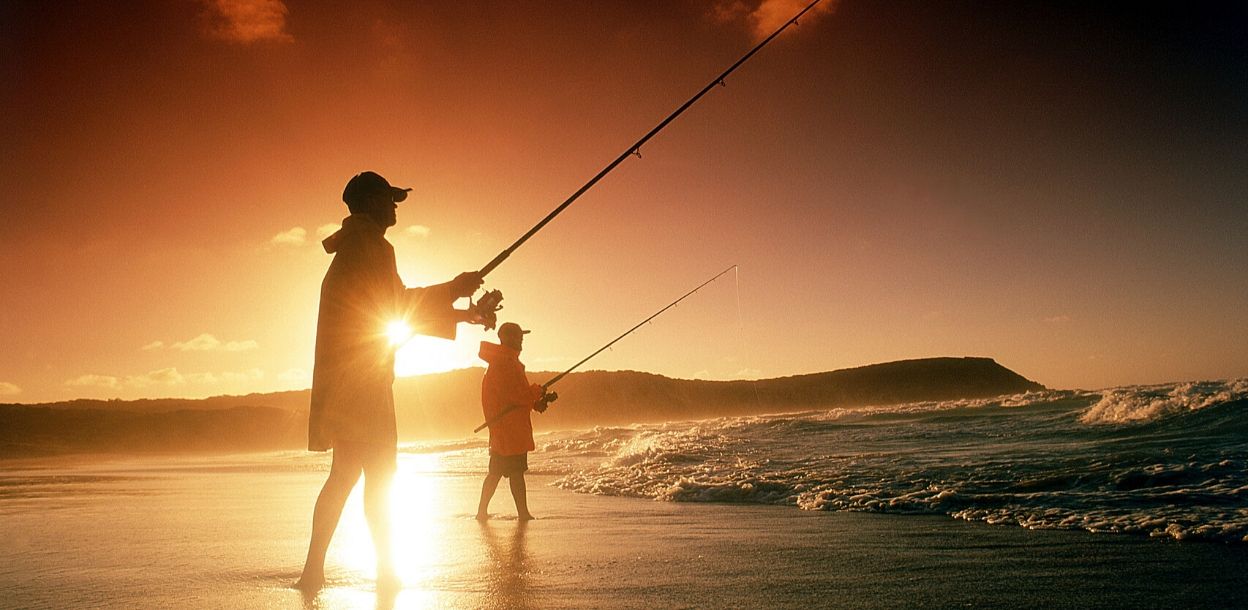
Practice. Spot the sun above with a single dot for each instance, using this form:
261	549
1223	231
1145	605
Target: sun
419	355
398	332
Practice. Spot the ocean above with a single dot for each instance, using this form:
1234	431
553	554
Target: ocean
873	507
1167	461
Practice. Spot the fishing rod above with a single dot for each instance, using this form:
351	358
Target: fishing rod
556	378
485	309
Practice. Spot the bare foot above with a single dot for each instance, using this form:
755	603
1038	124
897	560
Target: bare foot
525	517
309	583
483	516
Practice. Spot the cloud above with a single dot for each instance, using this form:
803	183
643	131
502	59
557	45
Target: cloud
202	378
748	373
417	230
293	237
163	377
9	389
168	376
209	343
207	378
763	17
154	345
246	21
294	375
324	231
94	381
1057	319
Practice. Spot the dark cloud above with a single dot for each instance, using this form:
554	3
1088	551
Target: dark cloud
246	21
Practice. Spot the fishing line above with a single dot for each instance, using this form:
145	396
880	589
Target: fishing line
628	332
485	310
741	338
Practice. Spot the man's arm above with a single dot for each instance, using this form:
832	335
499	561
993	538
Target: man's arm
430	310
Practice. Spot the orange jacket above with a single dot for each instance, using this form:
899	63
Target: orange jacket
504	384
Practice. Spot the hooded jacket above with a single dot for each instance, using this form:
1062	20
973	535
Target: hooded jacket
353	374
505	384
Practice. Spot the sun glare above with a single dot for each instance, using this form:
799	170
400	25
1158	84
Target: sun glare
418	517
421	355
398	332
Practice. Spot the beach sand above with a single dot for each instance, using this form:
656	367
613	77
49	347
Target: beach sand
231	533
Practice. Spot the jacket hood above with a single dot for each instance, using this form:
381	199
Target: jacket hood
352	226
493	352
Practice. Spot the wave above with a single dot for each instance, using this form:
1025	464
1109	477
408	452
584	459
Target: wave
1148	403
417	448
1029	460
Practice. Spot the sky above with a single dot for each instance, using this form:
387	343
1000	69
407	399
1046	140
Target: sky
1056	185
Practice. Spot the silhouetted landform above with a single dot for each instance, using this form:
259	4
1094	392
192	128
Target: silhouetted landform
632	397
447	405
31	431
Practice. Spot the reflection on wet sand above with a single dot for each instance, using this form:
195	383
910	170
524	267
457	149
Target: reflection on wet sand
507	572
422	556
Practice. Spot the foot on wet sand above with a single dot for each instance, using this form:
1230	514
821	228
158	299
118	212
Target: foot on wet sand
310	583
525	517
483	517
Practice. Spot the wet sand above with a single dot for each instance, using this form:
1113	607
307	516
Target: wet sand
215	534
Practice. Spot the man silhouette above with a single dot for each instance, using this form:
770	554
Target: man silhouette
352	406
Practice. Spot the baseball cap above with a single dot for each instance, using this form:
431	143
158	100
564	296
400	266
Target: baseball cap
511	328
366	184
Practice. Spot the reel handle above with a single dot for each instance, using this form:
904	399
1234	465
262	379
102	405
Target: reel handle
485	310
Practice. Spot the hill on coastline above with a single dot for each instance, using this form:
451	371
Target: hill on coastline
447	405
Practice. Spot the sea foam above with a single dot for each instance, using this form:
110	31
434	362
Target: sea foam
1030	460
1147	403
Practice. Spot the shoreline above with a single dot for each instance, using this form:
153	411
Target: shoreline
726	555
226	533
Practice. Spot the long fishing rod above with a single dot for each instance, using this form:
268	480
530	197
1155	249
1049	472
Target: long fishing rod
556	378
489	303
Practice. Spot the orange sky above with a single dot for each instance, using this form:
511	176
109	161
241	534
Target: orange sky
1060	188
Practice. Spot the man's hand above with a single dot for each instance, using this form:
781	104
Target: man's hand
465	284
544	402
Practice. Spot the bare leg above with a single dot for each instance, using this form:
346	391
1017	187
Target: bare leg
378	474
487	492
519	493
343	475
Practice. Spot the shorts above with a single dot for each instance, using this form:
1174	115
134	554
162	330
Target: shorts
509	465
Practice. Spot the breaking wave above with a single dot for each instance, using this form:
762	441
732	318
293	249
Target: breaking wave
1146	403
1166	461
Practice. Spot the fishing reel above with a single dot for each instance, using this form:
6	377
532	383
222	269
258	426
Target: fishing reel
485	310
543	403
